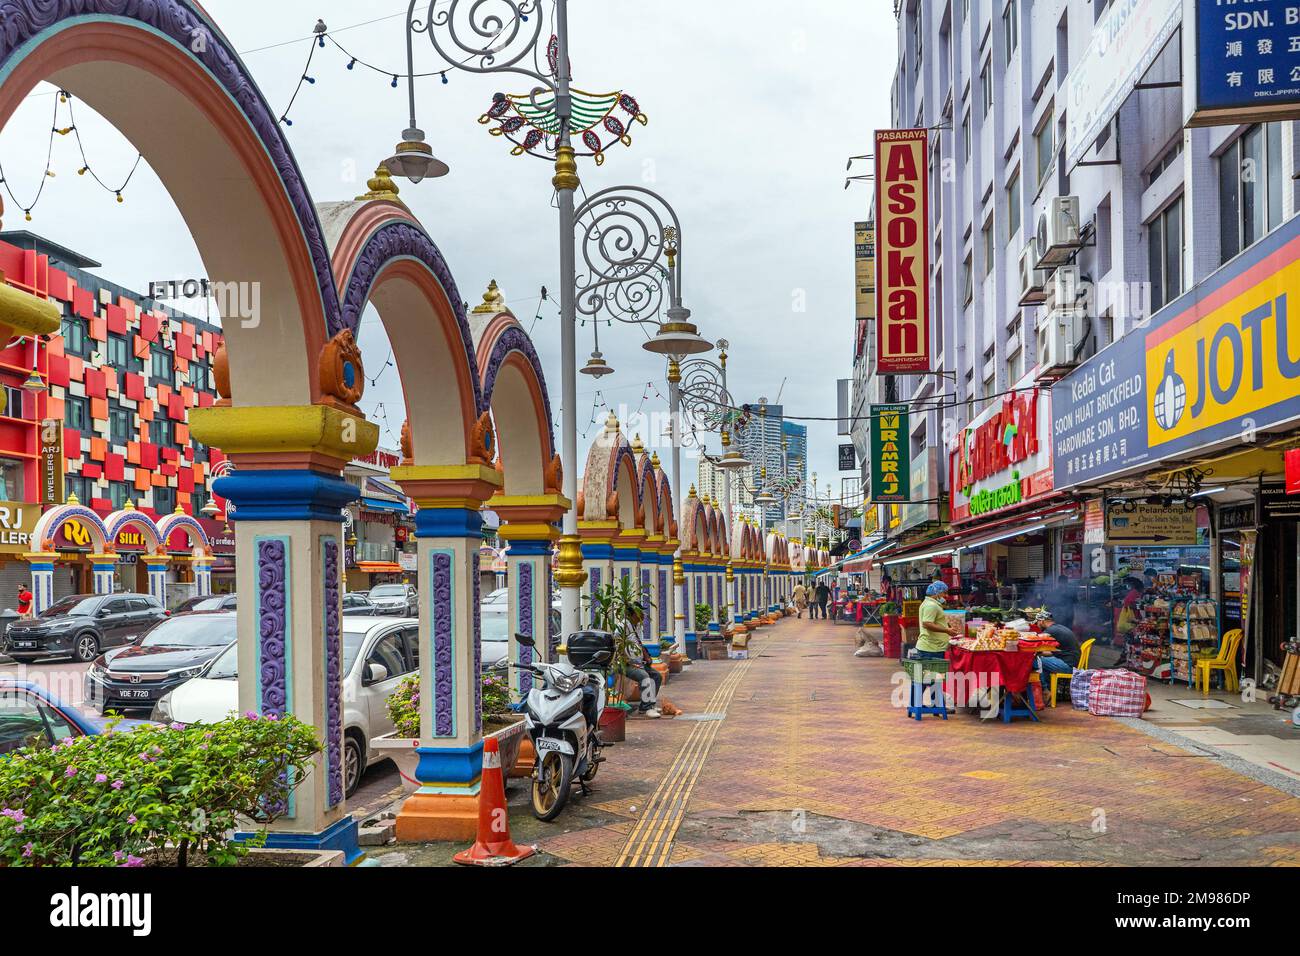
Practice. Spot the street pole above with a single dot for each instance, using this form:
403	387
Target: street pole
674	435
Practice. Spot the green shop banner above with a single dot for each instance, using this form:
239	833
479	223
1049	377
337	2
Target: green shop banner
890	476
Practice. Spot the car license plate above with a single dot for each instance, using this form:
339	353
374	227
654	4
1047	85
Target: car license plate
24	643
135	694
550	743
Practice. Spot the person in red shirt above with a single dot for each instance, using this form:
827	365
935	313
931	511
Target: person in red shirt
24	602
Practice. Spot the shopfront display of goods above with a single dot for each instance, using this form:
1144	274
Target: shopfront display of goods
990	637
1193	634
1146	643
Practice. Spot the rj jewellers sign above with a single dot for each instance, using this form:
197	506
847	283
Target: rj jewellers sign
1217	366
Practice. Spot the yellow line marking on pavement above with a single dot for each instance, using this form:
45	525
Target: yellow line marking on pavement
651	840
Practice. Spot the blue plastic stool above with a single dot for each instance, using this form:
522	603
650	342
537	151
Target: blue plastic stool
918	708
1009	709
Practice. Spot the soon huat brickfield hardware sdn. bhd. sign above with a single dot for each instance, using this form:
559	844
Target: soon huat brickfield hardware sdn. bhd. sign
1212	369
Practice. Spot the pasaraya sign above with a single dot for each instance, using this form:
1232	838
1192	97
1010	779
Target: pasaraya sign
1003	458
1217	365
1243	61
1125	42
902	251
889	464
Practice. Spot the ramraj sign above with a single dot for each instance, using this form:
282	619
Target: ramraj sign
902	251
889	436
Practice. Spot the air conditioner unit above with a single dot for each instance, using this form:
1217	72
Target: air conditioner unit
1063	289
1058	232
1033	281
1058	335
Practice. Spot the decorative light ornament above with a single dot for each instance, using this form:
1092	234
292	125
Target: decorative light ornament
34	382
414	159
596	366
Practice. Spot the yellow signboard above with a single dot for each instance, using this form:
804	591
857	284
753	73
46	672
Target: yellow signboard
51	461
1137	524
17	522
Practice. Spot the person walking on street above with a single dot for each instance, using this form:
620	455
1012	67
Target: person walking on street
800	597
823	595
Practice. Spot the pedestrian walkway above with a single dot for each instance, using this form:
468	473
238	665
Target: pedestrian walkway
800	756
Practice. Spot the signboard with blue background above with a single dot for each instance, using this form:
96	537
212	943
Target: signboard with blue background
1219	363
1246	57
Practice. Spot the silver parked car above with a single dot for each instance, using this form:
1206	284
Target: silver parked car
399	599
377	653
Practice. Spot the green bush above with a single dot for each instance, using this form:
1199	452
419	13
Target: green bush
404	703
151	794
703	617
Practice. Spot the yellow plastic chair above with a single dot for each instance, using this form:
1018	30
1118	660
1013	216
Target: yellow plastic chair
1084	650
1225	660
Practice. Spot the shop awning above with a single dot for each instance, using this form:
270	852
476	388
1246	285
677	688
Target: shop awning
986	534
868	557
379	567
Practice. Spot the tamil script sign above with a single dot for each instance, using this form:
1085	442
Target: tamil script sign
1137	524
902	251
1245	61
1217	365
1004	456
1125	42
889	455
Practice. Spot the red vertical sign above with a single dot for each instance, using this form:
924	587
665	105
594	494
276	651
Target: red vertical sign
902	251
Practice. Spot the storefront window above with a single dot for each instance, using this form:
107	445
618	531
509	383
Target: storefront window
11	473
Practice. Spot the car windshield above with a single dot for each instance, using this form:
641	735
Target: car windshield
226	666
389	590
200	630
495	627
352	641
75	605
203	604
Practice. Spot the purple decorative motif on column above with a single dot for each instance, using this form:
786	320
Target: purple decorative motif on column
272	624
333	675
710	586
595	586
444	702
526	616
699	590
552	633
663	602
645	603
478	650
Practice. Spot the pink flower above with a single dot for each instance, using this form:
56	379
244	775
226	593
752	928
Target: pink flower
131	818
250	715
27	850
116	784
118	855
101	777
20	828
70	772
175	725
134	861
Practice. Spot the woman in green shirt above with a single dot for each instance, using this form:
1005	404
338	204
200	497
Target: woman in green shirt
936	630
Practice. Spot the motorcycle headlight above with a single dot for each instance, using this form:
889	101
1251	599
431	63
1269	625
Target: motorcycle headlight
565	683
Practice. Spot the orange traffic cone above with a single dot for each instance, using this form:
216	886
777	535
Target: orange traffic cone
493	846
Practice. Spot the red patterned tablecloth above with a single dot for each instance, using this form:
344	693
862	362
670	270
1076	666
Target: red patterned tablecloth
1011	667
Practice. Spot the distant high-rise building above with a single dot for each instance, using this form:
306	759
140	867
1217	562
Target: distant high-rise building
760	440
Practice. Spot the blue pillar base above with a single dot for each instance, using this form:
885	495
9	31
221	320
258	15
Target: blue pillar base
339	836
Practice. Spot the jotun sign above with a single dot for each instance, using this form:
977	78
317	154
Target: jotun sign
902	252
1217	365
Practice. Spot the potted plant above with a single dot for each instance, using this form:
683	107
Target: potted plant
619	608
402	744
157	796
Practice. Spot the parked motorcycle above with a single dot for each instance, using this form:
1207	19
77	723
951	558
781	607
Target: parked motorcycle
562	714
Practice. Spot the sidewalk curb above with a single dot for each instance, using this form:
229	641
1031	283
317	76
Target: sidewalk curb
1230	761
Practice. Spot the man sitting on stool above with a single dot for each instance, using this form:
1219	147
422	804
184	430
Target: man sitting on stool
1064	659
649	679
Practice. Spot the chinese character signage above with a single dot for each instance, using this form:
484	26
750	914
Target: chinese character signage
1125	42
902	252
1214	367
890	454
864	270
1246	60
51	462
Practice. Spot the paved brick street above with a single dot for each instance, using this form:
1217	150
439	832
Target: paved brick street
811	765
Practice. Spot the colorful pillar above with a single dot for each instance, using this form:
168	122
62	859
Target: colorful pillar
203	575
448	533
529	525
42	567
156	566
103	567
288	489
597	561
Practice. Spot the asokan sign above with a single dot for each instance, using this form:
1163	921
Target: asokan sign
902	251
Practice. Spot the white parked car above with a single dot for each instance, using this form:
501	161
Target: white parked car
377	653
496	598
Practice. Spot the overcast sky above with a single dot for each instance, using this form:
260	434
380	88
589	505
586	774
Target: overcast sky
754	109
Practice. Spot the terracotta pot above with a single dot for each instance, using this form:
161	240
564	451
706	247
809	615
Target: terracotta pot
613	725
662	668
675	663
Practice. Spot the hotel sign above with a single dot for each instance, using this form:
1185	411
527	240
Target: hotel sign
1125	42
889	463
902	251
1218	365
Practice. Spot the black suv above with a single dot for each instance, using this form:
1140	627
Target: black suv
169	655
81	625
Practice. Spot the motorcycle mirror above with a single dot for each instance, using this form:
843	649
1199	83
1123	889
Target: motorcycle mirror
525	640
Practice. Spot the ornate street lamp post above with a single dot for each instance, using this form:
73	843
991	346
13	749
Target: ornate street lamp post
506	36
